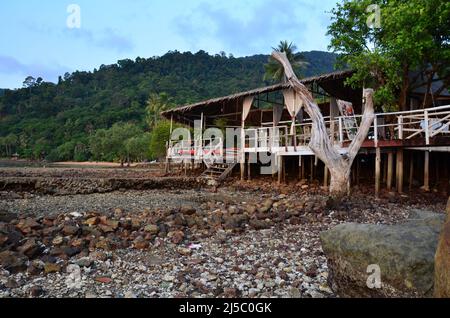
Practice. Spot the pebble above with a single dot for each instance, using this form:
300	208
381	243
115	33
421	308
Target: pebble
284	260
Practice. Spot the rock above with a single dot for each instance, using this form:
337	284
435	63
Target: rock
118	212
135	224
188	210
176	237
31	248
92	221
36	291
230	292
129	295
52	268
70	230
295	293
103	244
84	262
259	225
98	256
184	251
13	262
266	206
168	278
106	228
103	280
235	221
57	241
250	209
404	253
152	229
36	267
9	236
140	243
71	251
27	225
6	217
113	224
442	261
11	283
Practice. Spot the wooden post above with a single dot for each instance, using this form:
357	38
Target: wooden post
334	112
311	175
280	169
242	152
302	168
427	129
243	169
411	171
167	168
358	170
249	170
325	176
426	172
400	170
377	171
390	166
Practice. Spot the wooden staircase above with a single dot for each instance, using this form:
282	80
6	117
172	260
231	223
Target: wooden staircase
218	171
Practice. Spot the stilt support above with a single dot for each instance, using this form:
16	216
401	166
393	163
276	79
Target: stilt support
426	172
377	172
400	170
390	170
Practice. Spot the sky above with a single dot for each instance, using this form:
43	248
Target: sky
47	38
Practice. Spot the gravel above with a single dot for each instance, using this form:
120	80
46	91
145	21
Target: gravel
283	260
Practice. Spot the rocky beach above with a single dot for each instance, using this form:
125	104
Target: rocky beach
245	239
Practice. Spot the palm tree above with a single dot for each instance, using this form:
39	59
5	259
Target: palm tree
275	71
156	104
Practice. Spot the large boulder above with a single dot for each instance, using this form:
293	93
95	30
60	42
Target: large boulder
404	253
442	260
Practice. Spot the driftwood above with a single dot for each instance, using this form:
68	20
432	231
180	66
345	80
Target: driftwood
321	144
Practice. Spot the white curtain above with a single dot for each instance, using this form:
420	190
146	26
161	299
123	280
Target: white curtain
293	104
246	107
248	101
277	114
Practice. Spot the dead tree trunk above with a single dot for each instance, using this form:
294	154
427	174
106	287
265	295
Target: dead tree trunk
321	144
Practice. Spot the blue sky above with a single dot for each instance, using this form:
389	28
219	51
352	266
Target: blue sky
35	39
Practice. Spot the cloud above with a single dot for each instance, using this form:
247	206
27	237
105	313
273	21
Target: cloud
107	38
10	65
265	25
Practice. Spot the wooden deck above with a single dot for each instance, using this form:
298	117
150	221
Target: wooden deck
420	129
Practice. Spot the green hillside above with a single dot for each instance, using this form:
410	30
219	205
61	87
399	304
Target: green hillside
36	120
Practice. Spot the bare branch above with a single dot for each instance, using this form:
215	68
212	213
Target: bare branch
366	123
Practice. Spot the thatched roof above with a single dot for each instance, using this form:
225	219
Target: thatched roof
230	103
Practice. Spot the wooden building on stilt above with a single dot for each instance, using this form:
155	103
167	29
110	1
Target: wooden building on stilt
404	150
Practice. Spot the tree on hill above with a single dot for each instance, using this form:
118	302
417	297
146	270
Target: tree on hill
114	144
156	104
410	36
274	71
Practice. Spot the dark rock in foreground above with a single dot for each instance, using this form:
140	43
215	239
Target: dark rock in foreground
442	272
404	253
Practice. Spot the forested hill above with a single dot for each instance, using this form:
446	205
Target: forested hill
44	116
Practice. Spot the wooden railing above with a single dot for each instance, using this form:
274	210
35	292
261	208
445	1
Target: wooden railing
205	149
423	123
